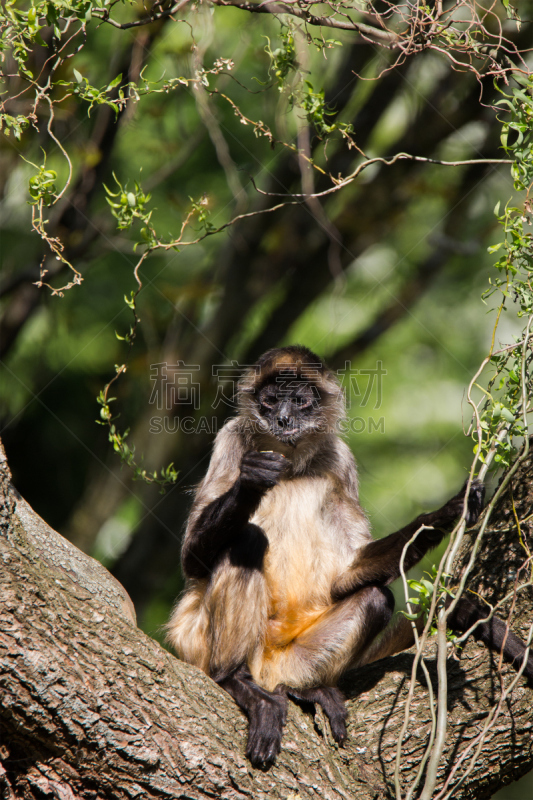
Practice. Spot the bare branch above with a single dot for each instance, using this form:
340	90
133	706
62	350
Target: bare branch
385	38
103	14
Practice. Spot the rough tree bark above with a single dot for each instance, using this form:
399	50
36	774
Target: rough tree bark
91	707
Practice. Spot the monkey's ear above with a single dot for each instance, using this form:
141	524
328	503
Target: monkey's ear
245	389
247	383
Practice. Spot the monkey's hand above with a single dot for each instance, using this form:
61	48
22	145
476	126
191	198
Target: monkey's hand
476	496
262	471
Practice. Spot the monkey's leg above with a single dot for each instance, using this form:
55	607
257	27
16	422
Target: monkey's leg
324	650
398	636
493	634
266	712
312	663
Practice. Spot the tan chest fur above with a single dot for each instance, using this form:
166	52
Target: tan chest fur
310	542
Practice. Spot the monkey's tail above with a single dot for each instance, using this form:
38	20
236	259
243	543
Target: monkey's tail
494	633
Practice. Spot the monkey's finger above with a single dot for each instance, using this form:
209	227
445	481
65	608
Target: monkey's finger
338	729
265	456
269	460
272	455
260	477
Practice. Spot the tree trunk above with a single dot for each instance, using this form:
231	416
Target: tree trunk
93	708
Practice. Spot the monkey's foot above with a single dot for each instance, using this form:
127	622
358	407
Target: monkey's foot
267	719
332	702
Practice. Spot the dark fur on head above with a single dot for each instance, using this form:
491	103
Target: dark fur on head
294	368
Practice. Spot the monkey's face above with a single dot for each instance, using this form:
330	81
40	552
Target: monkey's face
290	408
288	401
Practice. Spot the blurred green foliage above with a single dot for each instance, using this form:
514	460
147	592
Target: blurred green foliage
141	170
145	98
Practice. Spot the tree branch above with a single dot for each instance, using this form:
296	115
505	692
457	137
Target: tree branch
382	37
368	32
104	15
92	706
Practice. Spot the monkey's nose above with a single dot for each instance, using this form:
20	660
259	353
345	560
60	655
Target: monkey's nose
283	416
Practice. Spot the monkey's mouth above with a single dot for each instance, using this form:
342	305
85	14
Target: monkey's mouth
287	434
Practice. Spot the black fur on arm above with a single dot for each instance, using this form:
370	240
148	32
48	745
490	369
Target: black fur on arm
379	561
222	520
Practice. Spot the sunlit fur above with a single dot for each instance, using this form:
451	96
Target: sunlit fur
286	588
282	621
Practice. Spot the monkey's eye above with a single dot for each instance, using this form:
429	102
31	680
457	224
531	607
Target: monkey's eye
268	400
302	402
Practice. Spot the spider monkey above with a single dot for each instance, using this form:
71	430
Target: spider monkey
286	589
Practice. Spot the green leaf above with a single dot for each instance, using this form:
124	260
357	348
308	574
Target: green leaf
507	415
114	82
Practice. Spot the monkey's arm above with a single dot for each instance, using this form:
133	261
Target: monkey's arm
214	526
379	561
